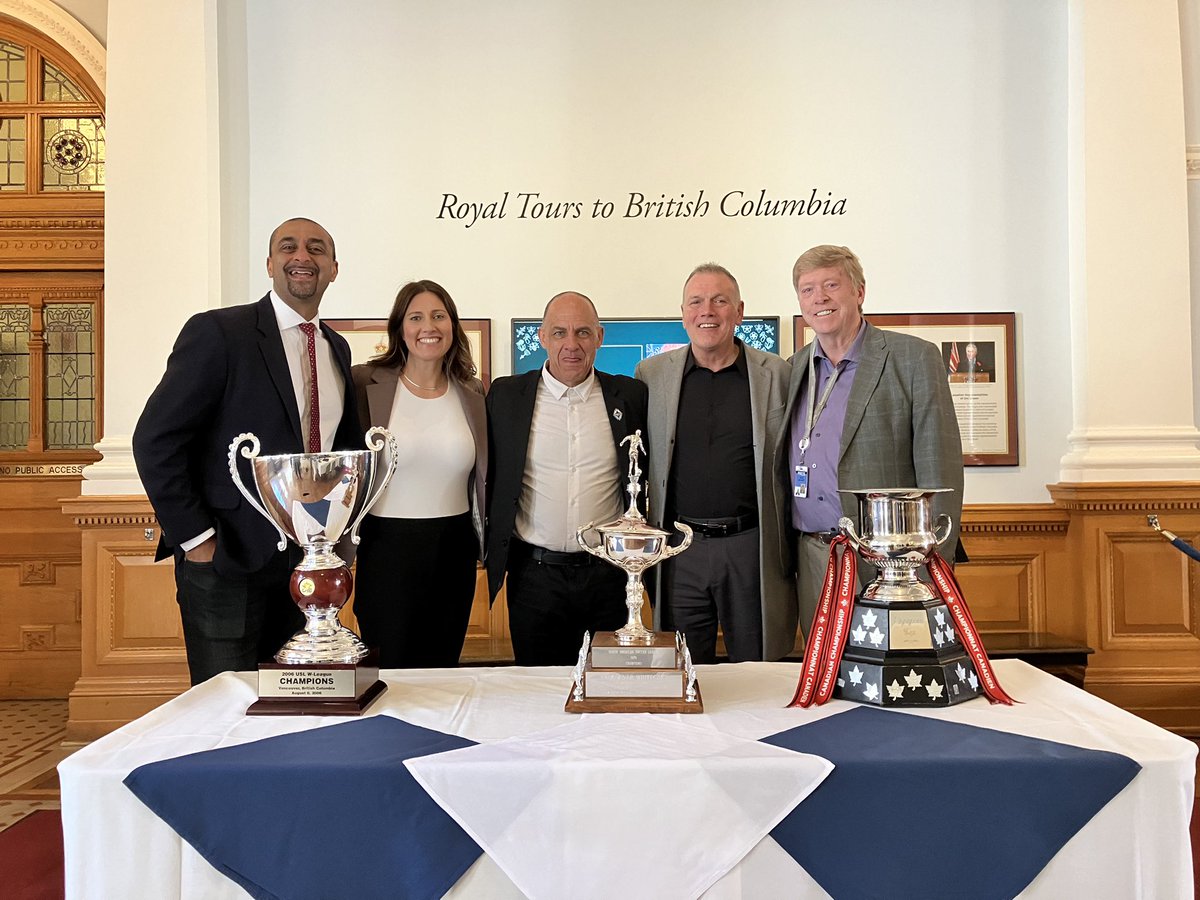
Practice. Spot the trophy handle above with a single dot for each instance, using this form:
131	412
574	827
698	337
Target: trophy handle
250	453
595	551
669	551
376	438
943	522
846	525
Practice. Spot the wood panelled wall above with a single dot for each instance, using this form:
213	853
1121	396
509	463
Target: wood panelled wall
1086	567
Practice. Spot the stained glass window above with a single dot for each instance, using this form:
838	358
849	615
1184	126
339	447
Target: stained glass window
73	150
12	154
57	87
14	377
70	381
12	73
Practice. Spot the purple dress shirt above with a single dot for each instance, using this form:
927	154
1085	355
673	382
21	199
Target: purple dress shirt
822	508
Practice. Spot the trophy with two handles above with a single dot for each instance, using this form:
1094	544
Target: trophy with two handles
634	669
314	499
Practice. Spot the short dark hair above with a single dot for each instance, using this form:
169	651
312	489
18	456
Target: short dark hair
332	245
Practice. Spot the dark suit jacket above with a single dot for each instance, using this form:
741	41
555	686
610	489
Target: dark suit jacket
227	374
510	414
375	391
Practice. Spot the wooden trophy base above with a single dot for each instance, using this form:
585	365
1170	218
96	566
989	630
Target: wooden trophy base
325	689
637	678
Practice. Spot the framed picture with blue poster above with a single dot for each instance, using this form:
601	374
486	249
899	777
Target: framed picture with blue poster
628	341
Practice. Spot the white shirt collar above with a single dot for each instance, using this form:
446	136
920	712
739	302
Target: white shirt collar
558	389
288	317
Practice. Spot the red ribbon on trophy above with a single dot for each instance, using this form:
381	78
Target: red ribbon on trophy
951	593
831	627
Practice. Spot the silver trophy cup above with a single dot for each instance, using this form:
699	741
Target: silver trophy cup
898	536
634	546
314	499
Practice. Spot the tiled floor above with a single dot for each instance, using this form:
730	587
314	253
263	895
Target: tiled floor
31	736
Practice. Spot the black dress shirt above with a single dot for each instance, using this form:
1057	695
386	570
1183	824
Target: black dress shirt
712	471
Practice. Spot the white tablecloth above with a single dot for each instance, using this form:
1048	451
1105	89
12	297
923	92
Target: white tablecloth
1136	846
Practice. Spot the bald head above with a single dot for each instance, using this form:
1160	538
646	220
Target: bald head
571	334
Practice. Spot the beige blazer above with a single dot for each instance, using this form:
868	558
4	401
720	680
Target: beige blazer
663	375
375	390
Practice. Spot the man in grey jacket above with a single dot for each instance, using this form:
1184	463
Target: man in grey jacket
866	408
716	413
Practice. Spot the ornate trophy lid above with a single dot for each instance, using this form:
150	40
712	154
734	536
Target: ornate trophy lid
633	523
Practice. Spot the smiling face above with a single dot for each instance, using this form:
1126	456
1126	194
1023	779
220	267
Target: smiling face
571	334
301	264
711	311
831	305
428	329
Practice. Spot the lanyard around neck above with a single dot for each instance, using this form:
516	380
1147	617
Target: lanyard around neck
815	406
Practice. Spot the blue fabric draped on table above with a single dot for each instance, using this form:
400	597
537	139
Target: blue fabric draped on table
922	808
290	816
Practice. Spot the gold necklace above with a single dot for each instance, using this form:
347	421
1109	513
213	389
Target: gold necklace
404	375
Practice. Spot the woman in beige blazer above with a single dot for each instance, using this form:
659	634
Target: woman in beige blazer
420	543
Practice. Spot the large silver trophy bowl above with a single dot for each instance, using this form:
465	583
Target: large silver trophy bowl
899	535
314	499
634	546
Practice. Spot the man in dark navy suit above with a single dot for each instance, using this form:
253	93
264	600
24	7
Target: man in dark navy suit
271	368
555	464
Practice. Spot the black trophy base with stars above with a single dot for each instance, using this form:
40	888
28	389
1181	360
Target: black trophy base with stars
905	653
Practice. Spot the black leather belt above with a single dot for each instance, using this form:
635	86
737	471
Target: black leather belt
825	537
553	557
721	527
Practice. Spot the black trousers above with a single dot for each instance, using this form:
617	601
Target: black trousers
414	585
230	622
551	606
715	580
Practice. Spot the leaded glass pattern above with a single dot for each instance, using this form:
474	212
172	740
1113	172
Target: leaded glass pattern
12	73
14	377
12	154
57	87
70	379
74	154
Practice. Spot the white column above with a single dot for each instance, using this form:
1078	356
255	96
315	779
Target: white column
162	207
1189	22
1130	302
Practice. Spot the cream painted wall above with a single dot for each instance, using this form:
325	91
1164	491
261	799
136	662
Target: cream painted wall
943	124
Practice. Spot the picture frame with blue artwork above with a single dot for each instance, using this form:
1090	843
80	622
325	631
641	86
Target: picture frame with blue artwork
628	341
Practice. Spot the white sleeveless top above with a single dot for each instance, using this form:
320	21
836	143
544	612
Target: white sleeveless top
436	455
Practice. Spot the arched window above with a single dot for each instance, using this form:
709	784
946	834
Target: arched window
51	251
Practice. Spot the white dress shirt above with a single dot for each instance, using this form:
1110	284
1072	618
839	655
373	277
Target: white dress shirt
330	386
571	473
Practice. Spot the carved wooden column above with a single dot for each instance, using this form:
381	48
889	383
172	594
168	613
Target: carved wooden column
132	656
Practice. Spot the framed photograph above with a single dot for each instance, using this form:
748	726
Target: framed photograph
979	353
368	338
628	341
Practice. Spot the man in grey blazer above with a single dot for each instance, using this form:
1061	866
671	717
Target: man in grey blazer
716	412
881	416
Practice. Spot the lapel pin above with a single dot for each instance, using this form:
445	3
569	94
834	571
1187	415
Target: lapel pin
617	414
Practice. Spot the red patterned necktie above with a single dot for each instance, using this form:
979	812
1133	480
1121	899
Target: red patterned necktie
314	401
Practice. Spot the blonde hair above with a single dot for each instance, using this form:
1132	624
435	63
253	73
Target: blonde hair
825	255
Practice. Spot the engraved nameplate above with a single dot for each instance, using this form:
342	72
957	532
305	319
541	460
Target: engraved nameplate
668	683
608	653
908	629
306	681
